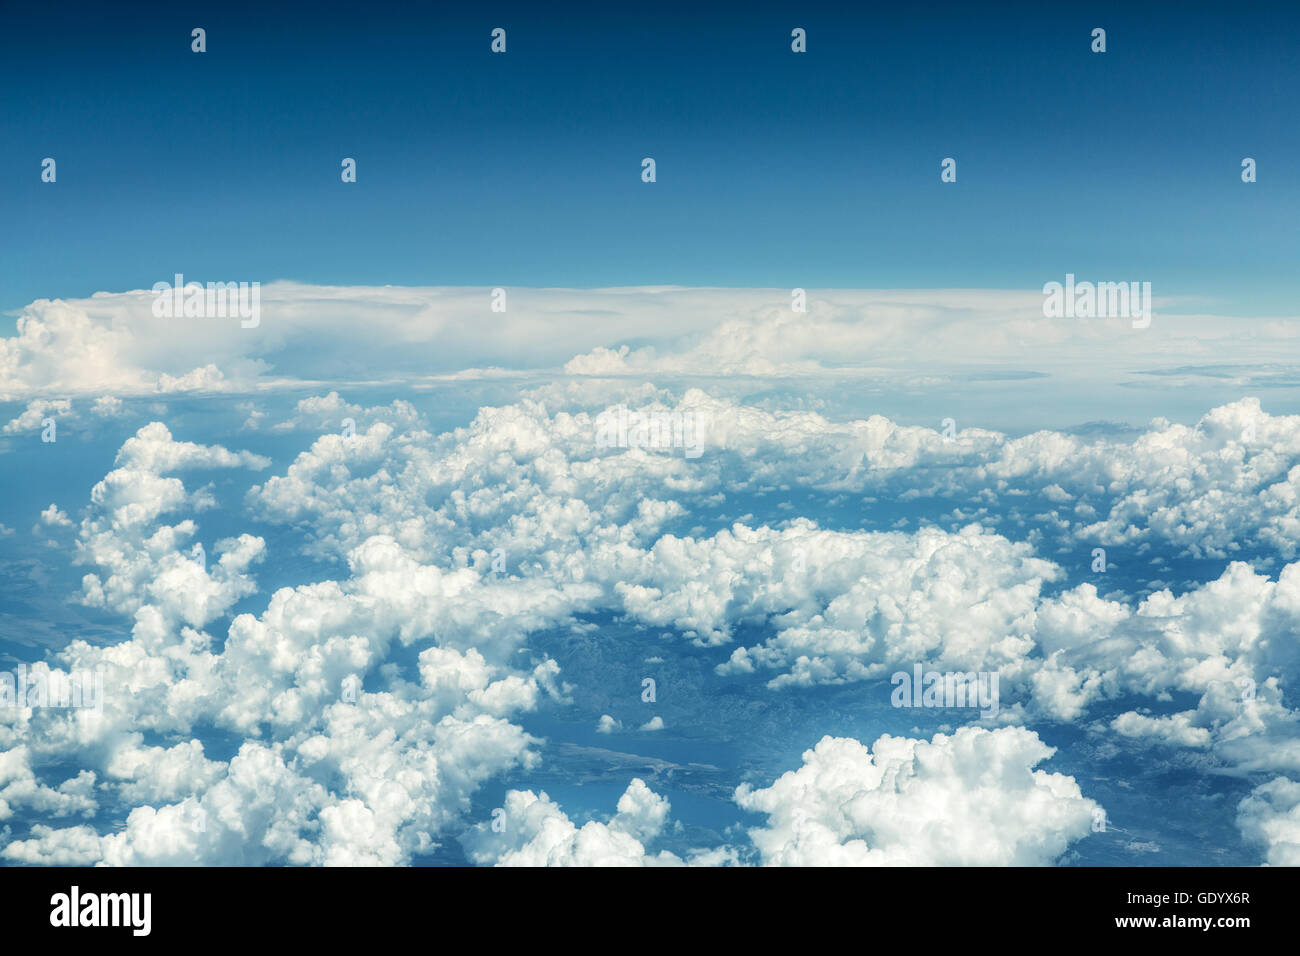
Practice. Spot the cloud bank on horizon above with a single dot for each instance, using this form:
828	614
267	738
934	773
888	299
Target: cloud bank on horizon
114	343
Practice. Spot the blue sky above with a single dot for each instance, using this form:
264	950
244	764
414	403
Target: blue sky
774	169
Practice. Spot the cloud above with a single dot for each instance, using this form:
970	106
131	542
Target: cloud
111	343
1175	730
970	799
150	563
35	414
19	787
538	833
1227	486
320	777
48	846
530	484
1270	817
109	406
462	545
55	517
608	725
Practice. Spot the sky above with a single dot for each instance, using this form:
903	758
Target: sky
773	169
536	514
